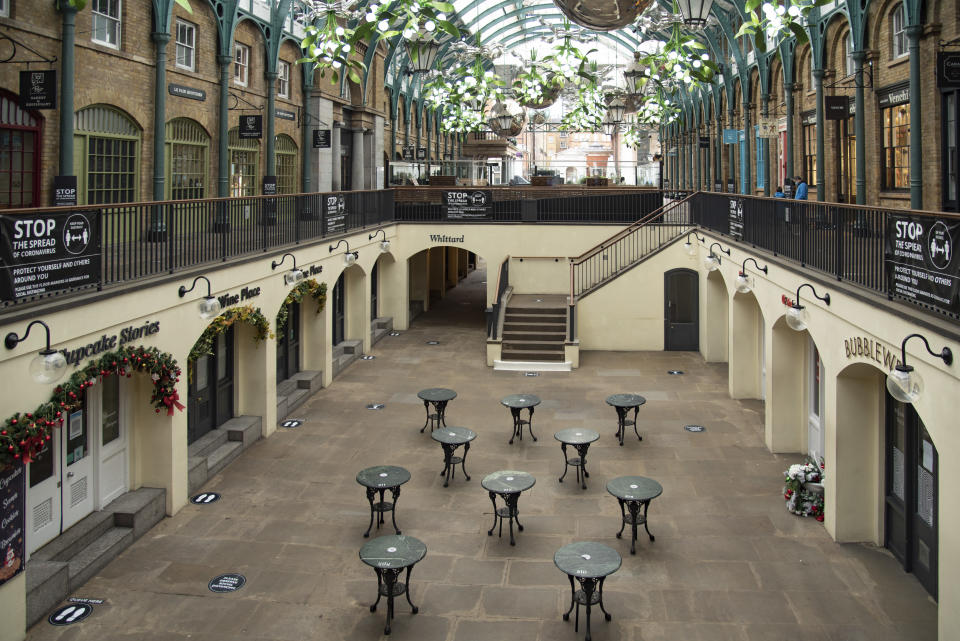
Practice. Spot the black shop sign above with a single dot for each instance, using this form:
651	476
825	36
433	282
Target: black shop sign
836	107
335	213
920	260
466	204
182	91
321	139
736	218
948	69
893	96
251	126
421	153
47	252
12	508
38	89
64	191
408	152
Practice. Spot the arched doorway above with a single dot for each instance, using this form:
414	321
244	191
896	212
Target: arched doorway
20	139
288	341
715	331
106	155
681	303
747	347
210	387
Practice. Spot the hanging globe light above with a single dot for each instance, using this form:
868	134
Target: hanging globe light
695	12
602	15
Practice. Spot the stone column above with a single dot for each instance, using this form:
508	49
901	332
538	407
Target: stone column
358	160
66	89
788	97
335	158
160	39
916	120
818	75
859	129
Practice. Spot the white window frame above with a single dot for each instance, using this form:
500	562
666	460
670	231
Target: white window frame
898	29
118	24
848	45
283	79
191	46
241	64
5	8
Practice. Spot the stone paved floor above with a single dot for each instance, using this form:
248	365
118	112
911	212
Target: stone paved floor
728	563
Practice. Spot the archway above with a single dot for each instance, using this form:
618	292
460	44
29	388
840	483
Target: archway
432	272
747	347
716	315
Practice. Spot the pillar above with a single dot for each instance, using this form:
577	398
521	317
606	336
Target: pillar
160	39
732	151
765	111
916	119
66	90
335	157
271	77
818	75
859	129
788	98
745	173
223	128
356	157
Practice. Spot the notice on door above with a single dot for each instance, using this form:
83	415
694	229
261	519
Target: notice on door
468	204
12	505
920	262
47	252
335	212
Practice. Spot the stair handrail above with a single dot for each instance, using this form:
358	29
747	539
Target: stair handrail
493	314
632	228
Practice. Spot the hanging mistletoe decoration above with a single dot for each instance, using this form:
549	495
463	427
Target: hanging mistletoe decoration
24	437
310	287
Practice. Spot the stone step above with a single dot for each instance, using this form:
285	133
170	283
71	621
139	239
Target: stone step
520	309
298	398
350	347
139	510
77	537
207	443
383	322
546	346
514	335
48	583
308	379
512	326
245	429
222	456
98	554
531	355
284	388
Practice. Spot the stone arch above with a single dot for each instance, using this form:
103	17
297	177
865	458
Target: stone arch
716	316
747	344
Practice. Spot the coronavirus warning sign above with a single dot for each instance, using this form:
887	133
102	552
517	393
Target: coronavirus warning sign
920	261
47	252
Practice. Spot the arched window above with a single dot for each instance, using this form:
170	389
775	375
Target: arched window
107	146
187	151
286	155
898	29
19	154
244	164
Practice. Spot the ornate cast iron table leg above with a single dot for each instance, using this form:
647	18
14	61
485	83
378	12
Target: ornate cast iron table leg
426	406
493	499
566	462
517	428
573	596
371	493
395	491
463	461
582	451
529	425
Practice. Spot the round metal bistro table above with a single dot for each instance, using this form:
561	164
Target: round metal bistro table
389	556
517	403
589	563
581	439
381	478
438	397
623	403
507	484
450	438
633	493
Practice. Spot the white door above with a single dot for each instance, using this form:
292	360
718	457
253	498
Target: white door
763	362
43	496
78	491
108	416
815	395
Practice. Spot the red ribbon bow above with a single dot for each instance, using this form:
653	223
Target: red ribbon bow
172	401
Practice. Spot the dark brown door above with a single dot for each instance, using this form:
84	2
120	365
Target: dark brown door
210	402
288	344
681	310
339	311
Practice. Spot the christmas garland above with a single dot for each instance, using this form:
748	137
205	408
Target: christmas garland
799	499
24	437
317	291
246	314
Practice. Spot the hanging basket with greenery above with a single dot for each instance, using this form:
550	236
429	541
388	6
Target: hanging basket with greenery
246	314
310	287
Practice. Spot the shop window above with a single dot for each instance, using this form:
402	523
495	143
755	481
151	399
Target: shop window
283	79
241	64
848	54
244	164
19	154
5	8
898	32
896	147
286	154
810	153
109	142
186	45
106	22
187	149
761	159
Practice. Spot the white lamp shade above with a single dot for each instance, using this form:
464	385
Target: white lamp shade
423	53
349	258
616	110
690	248
744	283
711	262
384	246
797	317
209	308
695	12
904	384
293	276
609	128
48	366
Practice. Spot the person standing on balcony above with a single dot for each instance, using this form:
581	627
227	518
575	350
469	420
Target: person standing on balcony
779	193
801	188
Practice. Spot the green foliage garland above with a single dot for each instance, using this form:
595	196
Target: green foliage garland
24	437
316	291
246	314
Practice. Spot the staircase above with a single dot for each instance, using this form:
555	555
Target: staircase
535	328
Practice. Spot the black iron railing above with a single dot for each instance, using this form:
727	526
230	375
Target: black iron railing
493	313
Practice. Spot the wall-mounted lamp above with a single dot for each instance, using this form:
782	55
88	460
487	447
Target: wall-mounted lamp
48	365
384	244
350	257
712	261
209	306
903	383
745	281
294	275
691	248
797	314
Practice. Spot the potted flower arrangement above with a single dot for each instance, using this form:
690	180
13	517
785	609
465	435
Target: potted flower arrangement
535	87
803	489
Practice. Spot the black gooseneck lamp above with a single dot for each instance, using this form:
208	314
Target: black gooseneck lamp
48	365
712	261
691	248
384	244
903	383
744	281
350	257
797	314
290	277
209	306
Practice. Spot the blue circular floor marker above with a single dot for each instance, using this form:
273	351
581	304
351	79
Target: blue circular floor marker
205	498
227	583
68	614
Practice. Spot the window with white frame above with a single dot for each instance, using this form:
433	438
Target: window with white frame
848	45
106	22
5	8
283	79
898	26
186	45
241	64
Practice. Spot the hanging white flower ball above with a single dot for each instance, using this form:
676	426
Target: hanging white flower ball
430	25
383	25
336	64
340	31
